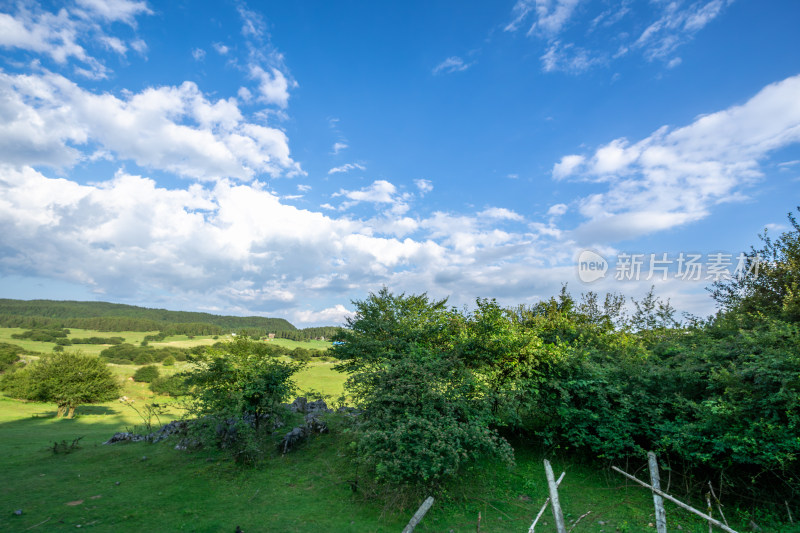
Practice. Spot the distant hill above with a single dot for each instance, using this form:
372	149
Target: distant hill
104	316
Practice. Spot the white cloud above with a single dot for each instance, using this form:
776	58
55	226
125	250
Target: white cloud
451	64
221	48
500	213
424	186
63	36
557	210
335	315
612	33
116	10
675	176
347	167
178	129
338	147
273	86
303	188
380	191
198	54
676	26
568	58
567	165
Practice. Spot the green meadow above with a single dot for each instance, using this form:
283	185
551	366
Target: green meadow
154	487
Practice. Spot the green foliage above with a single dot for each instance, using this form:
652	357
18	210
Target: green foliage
771	286
51	334
67	379
9	354
146	374
236	394
424	420
143	357
168	361
425	414
98	340
174	385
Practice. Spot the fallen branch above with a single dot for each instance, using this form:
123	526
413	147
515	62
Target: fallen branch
676	501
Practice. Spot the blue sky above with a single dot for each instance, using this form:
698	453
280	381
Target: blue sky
285	158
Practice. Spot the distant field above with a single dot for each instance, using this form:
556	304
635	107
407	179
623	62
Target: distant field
310	345
136	337
318	376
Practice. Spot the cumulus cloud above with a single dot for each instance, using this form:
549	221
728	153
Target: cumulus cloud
177	129
338	147
675	176
273	87
335	315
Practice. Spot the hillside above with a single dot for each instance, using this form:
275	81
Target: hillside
104	315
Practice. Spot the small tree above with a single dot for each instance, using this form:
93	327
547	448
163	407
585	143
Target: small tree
235	387
69	379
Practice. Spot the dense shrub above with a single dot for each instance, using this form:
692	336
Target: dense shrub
425	414
174	385
42	334
168	361
146	374
9	354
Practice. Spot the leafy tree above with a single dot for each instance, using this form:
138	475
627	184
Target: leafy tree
769	284
240	385
67	379
426	415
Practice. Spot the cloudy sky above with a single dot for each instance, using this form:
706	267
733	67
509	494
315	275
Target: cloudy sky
285	158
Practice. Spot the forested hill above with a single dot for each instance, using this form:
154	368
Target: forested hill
104	316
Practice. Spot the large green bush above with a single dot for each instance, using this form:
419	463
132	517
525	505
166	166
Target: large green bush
146	374
426	416
174	385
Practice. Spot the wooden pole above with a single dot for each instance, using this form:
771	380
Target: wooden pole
558	515
677	502
541	511
719	503
658	501
418	516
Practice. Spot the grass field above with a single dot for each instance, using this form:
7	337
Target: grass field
153	487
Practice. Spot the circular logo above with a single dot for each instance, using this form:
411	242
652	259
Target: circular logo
591	266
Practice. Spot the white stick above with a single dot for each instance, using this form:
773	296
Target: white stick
547	501
417	518
658	501
558	515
